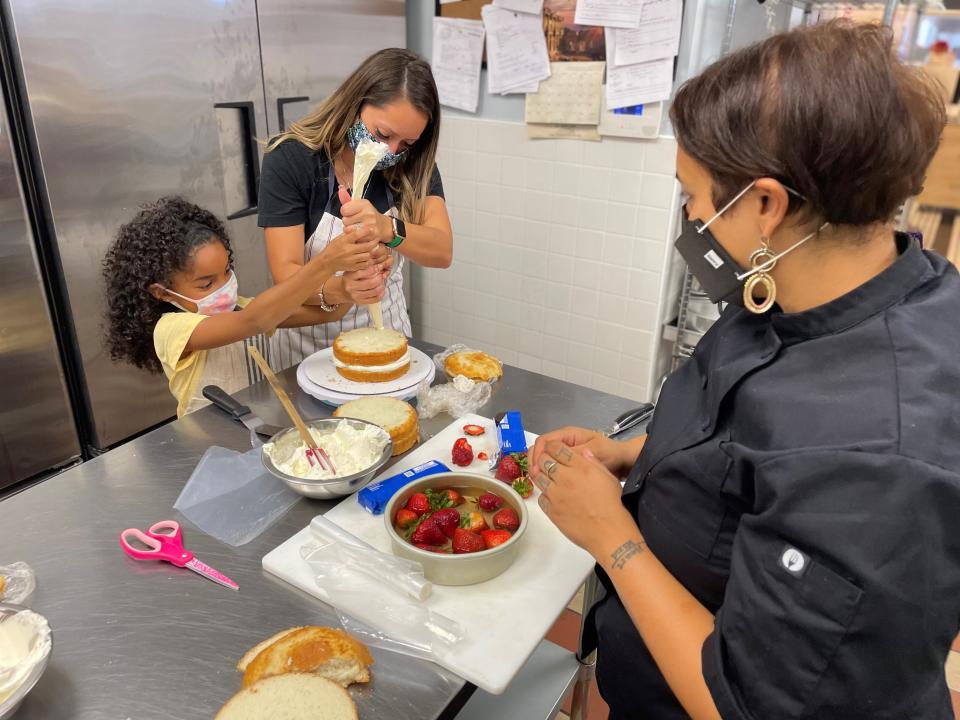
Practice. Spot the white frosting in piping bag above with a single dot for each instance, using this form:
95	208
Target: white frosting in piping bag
366	157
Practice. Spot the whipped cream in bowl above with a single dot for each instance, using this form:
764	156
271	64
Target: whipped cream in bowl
25	645
358	449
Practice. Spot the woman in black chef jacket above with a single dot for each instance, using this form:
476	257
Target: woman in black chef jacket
391	98
786	543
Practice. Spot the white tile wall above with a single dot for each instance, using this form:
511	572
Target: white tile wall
559	250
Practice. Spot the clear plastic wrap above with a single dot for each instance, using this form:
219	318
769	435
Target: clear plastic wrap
457	398
378	606
231	496
337	545
17	583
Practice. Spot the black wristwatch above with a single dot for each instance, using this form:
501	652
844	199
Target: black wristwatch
399	233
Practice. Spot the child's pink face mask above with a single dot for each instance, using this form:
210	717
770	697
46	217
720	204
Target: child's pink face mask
223	299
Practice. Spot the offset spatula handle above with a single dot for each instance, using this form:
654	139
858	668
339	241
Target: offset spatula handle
225	401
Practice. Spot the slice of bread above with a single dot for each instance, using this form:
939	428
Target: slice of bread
296	696
250	654
395	416
475	365
369	346
329	652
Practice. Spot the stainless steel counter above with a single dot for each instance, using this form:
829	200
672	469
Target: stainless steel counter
142	640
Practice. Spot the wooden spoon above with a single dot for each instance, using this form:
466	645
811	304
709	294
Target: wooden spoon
312	450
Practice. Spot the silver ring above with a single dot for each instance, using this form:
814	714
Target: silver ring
549	466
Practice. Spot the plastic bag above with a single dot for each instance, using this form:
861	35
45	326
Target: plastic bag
18	583
341	546
377	612
231	496
457	398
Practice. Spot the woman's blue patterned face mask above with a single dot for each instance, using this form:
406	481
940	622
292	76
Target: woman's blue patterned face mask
359	131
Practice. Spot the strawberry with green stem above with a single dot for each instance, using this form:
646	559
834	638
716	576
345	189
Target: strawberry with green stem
511	467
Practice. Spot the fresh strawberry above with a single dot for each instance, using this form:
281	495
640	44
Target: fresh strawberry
506	519
447	520
439	499
511	467
465	541
473	429
418	503
405	518
523	486
432	548
453	497
462	453
490	502
492	538
482	456
427	533
474	522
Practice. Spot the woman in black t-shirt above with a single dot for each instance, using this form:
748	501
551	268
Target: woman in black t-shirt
304	202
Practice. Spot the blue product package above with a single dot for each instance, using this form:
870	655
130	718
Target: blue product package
510	435
374	498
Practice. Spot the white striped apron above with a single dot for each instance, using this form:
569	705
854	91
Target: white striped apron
291	345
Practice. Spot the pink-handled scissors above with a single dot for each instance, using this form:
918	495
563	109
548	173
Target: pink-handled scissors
164	541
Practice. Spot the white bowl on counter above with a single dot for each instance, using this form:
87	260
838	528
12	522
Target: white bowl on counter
9	705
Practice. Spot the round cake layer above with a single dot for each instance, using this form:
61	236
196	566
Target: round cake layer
474	365
373	375
395	416
404	443
369	346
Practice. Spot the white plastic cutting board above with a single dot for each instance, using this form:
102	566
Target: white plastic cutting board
504	619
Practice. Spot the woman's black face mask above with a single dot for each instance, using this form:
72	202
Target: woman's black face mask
711	265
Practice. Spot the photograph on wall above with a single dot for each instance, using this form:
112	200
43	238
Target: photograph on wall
565	39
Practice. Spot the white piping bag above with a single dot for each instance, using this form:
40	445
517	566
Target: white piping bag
366	157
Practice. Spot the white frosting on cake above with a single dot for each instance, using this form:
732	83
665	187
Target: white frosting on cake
375	368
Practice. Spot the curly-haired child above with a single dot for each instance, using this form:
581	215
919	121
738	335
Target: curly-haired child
172	301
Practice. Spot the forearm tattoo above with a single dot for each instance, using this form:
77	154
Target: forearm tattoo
627	551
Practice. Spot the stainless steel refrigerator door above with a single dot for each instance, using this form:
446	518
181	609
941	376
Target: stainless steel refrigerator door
310	46
122	98
37	431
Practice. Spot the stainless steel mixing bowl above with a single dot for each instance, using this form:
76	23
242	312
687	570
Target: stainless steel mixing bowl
334	487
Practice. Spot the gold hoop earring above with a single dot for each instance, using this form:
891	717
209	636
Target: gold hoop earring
761	260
